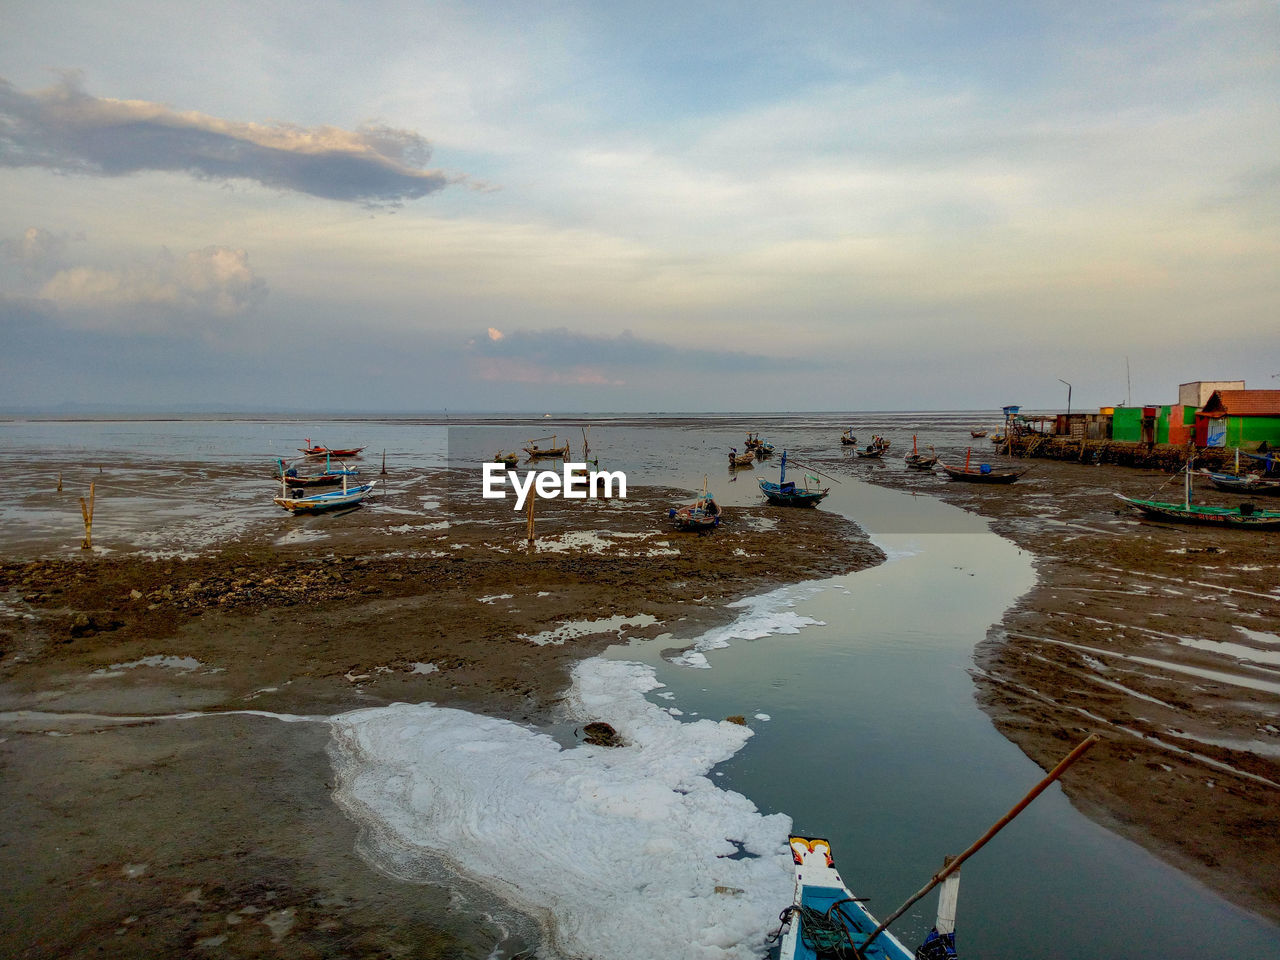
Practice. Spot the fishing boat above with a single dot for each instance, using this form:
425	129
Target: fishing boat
785	493
977	433
552	452
826	919
847	439
982	473
1245	516
348	496
753	441
329	477
319	451
508	460
737	459
1248	483
875	449
919	461
701	515
764	450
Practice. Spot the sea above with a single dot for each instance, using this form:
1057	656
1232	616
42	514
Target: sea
858	691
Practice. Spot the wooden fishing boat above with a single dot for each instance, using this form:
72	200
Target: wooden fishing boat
737	459
785	493
1248	483
977	433
764	451
983	473
919	461
329	477
318	451
1245	516
552	452
847	439
753	441
875	450
508	460
825	919
701	515
348	496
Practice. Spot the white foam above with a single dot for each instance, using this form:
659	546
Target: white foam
594	842
182	664
424	668
585	628
763	615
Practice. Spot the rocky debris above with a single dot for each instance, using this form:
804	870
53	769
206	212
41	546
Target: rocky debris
601	734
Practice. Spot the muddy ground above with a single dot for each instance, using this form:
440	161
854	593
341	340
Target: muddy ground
149	812
1163	637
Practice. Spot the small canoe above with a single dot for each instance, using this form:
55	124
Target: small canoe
1245	517
321	502
825	919
318	451
1249	483
983	473
508	460
977	433
737	459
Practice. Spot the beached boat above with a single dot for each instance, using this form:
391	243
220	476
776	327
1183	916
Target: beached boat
982	473
1245	516
329	477
977	433
737	459
348	496
785	493
920	461
701	515
825	919
875	450
318	451
508	460
847	439
552	452
1252	484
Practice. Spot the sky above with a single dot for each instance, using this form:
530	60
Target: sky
411	207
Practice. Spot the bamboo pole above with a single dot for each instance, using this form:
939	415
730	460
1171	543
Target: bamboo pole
86	510
59	481
981	842
532	501
384	462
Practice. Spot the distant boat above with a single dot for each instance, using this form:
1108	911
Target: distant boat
318	451
977	433
552	452
737	459
983	473
508	460
825	912
847	439
875	449
701	515
785	493
1247	483
919	461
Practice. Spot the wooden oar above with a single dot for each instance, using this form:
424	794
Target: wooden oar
978	844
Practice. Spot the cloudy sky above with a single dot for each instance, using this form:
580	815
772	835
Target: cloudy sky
636	206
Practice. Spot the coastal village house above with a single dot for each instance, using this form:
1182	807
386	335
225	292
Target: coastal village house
1210	413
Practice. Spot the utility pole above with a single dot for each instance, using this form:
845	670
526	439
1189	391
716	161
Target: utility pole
1060	380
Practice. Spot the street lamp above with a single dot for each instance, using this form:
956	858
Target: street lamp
1060	380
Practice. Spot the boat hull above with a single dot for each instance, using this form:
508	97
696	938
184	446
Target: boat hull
975	476
1253	486
1235	517
323	502
779	497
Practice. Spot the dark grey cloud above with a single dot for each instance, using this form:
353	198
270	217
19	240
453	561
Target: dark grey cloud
66	129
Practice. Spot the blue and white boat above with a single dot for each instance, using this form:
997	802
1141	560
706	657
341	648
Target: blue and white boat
785	493
826	919
348	496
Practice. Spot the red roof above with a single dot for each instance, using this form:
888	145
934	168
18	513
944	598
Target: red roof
1244	403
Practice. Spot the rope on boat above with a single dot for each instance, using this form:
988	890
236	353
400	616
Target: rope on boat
825	936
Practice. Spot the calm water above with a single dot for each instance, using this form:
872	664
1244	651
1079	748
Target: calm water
873	736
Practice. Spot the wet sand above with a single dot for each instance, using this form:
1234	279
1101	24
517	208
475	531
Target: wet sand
1164	638
132	833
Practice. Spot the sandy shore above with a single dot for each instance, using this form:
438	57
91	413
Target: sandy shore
130	833
1162	637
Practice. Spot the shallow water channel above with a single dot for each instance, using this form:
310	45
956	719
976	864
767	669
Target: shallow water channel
873	739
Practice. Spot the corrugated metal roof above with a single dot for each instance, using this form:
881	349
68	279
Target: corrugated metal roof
1244	403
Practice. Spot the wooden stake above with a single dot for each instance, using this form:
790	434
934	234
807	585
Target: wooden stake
981	842
384	462
59	481
532	501
86	510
